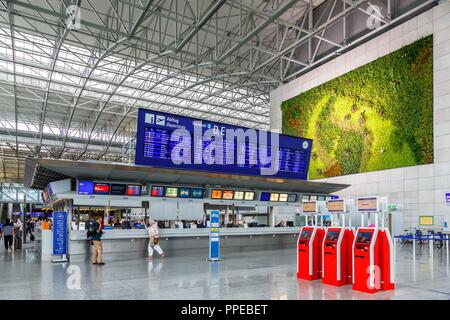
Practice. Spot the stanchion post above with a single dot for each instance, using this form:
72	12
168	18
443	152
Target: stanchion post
395	248
448	238
430	254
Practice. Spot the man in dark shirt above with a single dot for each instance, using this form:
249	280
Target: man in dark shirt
97	241
8	233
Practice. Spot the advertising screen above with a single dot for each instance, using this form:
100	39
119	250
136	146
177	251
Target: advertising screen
274	196
155	142
133	190
265	196
332	235
367	204
292	198
239	195
118	189
249	196
306	234
171	192
228	195
101	188
283	197
157	191
198	193
336	205
364	237
216	194
184	192
426	220
85	187
310	206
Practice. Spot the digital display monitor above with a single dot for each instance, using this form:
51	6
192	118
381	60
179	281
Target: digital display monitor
292	198
336	205
364	237
305	197
157	191
133	190
265	196
184	192
321	198
367	204
85	187
171	192
228	195
283	197
249	196
332	236
306	234
101	188
426	220
309	207
216	194
274	196
155	143
313	198
198	193
239	195
118	189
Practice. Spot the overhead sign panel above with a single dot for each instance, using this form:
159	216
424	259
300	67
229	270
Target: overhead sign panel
173	141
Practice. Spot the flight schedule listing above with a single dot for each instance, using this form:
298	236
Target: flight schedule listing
158	145
248	154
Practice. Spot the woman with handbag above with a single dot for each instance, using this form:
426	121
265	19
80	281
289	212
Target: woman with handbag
153	232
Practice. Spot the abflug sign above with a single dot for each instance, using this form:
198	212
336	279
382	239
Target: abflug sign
172	141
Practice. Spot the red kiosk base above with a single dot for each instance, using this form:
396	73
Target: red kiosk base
337	257
309	253
372	260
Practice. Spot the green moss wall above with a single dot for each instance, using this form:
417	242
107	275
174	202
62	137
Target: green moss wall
379	116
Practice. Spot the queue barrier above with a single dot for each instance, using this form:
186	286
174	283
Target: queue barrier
431	238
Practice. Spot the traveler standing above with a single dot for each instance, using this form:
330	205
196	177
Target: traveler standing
96	237
8	233
153	232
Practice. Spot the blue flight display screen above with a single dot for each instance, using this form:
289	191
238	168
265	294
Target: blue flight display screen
155	145
85	187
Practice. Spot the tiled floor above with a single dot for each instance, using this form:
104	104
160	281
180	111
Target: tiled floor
256	275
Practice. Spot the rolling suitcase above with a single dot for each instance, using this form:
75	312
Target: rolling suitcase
17	243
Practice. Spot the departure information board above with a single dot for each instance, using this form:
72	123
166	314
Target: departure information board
155	144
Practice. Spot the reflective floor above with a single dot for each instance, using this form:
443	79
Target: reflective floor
258	275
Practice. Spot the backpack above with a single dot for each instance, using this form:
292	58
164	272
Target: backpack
92	229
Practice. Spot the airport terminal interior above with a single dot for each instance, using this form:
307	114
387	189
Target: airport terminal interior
225	149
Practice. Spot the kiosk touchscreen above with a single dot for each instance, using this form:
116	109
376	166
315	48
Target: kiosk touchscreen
309	253
334	259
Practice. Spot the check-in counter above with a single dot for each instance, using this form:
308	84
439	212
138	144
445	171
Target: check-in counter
126	244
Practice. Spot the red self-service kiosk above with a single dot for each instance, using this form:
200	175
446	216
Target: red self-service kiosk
373	263
309	253
337	256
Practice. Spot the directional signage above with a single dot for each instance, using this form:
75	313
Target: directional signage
59	232
214	238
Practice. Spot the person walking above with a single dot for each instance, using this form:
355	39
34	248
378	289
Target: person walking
153	232
8	234
96	238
